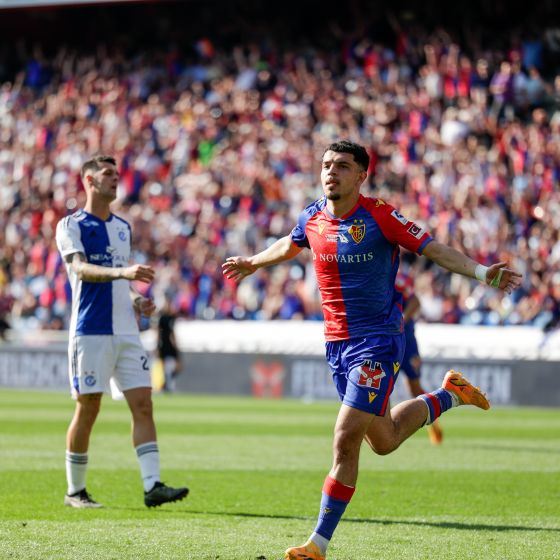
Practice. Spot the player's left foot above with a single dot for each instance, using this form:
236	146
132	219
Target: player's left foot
435	433
81	500
466	392
308	551
162	494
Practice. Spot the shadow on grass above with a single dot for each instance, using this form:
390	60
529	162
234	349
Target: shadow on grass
436	524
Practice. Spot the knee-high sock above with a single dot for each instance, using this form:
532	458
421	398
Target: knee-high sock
148	457
437	402
335	498
76	469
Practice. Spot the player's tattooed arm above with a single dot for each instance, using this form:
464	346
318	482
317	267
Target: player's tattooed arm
89	272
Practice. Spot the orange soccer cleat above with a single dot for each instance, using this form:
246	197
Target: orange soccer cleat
308	551
454	382
435	434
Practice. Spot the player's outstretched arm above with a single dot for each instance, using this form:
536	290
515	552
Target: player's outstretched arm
496	276
94	273
236	268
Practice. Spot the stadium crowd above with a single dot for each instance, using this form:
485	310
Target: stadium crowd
219	150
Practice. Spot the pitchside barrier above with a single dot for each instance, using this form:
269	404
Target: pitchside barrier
514	365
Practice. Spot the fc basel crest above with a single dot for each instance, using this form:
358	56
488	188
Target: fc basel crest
357	230
371	376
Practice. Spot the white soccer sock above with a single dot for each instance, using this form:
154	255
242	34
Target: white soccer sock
148	457
320	541
76	467
454	398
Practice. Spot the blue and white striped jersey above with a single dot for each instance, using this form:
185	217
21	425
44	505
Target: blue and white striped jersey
98	307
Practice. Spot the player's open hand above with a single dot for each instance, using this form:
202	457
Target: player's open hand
236	268
497	276
139	272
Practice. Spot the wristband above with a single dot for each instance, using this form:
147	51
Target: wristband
495	282
480	273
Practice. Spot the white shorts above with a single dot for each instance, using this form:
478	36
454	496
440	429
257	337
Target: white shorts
96	360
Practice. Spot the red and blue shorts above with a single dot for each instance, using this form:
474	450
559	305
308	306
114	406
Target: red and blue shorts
365	370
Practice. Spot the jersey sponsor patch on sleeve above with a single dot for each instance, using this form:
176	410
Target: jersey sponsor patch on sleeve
399	217
416	231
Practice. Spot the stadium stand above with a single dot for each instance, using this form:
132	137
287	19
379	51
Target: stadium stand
217	118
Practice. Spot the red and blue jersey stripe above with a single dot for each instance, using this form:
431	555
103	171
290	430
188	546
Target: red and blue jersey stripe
356	259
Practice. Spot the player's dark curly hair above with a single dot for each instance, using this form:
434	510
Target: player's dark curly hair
361	157
93	163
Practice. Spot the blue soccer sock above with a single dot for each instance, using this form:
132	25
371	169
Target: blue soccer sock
437	402
335	498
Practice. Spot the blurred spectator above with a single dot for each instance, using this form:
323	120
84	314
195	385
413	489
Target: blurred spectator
167	349
6	303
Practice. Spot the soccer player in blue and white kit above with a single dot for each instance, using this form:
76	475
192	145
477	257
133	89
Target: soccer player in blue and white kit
355	242
104	341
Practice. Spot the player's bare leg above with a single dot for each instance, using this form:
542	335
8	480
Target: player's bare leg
350	428
140	403
386	433
81	425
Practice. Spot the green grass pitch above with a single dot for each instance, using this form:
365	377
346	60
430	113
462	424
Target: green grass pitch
255	469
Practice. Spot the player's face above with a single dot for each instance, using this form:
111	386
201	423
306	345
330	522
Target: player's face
341	176
104	182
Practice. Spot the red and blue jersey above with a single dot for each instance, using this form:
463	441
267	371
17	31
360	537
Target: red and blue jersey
356	259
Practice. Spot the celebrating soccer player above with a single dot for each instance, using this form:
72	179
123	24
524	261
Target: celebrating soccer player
355	242
104	342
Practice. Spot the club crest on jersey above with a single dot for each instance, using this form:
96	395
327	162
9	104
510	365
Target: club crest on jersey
416	231
371	376
321	227
399	217
379	202
122	235
357	230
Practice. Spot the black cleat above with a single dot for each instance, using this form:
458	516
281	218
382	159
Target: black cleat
162	494
81	500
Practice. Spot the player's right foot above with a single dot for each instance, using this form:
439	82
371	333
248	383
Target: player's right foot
162	494
435	434
308	551
454	382
81	500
